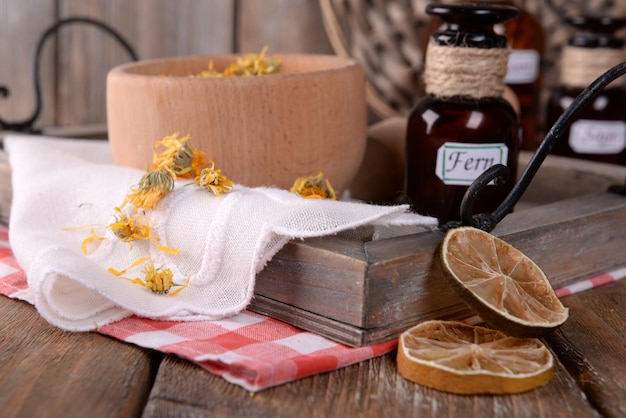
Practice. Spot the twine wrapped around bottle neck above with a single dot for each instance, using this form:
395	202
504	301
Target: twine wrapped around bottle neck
581	66
461	71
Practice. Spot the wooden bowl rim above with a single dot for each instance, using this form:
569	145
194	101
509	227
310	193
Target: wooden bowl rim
133	69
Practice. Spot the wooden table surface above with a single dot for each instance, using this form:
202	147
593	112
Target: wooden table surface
45	371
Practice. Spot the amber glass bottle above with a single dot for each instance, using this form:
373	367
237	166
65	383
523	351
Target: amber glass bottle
462	126
598	133
524	74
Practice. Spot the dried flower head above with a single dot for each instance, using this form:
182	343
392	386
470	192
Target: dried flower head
254	64
179	158
152	187
213	180
129	228
314	187
158	280
250	64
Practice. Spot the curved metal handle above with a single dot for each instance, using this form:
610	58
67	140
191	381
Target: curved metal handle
27	124
488	221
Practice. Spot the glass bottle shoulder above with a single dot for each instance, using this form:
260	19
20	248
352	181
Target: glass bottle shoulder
433	116
610	103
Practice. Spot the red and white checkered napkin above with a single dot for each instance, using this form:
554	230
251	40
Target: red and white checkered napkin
249	350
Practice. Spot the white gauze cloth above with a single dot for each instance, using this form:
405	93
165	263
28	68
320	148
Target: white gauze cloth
223	242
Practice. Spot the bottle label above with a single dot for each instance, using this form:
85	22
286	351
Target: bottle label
598	136
460	164
523	66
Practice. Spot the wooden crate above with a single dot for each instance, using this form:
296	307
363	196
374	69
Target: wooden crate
361	293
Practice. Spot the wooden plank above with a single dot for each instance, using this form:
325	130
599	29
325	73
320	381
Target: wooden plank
343	332
368	389
592	344
46	371
21	25
336	268
6	191
584	237
155	28
285	26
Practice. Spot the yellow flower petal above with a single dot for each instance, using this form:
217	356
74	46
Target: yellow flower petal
247	65
121	272
169	250
91	238
212	179
313	187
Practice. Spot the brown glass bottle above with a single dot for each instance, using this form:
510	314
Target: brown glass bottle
524	76
598	132
453	138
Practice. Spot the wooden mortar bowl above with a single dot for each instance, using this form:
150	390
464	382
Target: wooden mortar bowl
261	131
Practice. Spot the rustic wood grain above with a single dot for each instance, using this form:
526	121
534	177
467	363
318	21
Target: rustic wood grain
286	26
49	372
22	22
328	281
368	389
155	28
5	188
591	345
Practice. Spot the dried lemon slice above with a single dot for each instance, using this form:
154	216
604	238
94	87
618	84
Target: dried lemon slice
460	358
505	287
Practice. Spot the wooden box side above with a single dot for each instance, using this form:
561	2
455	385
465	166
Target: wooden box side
404	283
322	276
569	240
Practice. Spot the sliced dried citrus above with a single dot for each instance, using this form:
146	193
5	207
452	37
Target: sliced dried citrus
460	358
505	287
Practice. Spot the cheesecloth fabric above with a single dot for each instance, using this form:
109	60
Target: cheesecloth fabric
62	188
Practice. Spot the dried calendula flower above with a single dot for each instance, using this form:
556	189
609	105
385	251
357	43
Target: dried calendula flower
314	187
158	280
250	64
212	179
129	228
132	228
254	64
152	187
178	157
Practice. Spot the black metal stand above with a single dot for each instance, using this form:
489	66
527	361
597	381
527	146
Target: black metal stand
27	124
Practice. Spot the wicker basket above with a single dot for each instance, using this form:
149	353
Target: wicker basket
385	36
